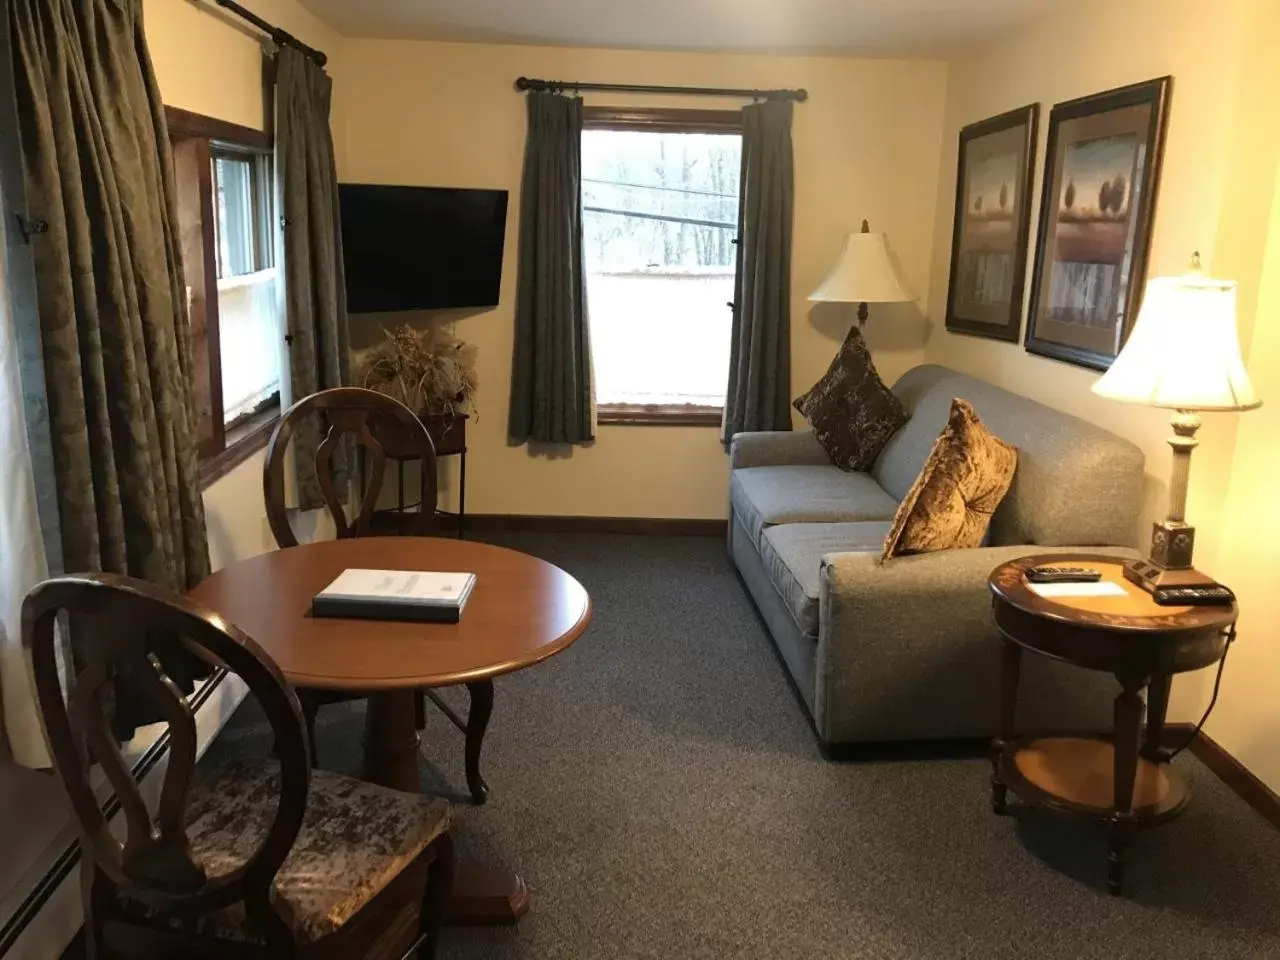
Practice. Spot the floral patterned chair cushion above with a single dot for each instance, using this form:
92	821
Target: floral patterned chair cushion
356	837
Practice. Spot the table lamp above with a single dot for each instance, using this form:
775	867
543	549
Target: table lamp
863	274
1183	354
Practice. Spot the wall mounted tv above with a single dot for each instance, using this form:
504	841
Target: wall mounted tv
421	248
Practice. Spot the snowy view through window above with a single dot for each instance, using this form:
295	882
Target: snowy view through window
660	213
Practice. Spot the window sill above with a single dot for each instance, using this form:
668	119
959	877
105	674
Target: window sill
658	415
243	441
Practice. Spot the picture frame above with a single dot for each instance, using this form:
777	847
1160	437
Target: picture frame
1097	204
995	173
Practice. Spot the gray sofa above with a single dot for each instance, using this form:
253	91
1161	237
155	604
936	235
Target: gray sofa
906	650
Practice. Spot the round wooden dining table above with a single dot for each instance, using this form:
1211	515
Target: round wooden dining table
521	611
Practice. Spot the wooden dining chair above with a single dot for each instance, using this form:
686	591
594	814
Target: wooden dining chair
376	421
373	419
262	858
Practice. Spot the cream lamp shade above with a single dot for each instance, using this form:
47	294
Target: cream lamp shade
863	274
1184	351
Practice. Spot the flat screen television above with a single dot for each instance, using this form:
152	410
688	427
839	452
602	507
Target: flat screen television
421	248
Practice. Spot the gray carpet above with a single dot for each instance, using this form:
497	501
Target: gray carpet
659	789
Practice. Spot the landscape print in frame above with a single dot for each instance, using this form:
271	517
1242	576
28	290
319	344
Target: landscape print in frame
1102	168
992	224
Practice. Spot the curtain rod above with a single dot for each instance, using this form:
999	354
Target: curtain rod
281	37
556	86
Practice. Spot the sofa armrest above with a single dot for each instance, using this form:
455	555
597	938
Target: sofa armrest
912	616
861	582
776	448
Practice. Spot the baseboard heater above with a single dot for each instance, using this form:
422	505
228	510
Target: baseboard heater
69	858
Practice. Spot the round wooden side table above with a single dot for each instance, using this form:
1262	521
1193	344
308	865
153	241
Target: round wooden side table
1123	780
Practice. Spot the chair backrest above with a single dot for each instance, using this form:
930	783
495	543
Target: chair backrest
375	420
111	618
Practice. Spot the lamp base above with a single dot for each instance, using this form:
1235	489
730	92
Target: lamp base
1172	544
1150	576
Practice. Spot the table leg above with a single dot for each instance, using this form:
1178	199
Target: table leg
1157	708
1010	670
400	497
462	496
477	723
1128	737
482	896
391	740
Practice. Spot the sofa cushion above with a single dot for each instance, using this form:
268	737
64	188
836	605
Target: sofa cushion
793	552
1076	484
850	409
949	507
764	496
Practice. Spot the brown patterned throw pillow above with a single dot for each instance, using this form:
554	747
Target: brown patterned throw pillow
852	412
950	505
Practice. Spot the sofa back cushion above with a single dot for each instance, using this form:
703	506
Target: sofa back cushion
1076	484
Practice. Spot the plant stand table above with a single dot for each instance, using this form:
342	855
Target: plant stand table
449	434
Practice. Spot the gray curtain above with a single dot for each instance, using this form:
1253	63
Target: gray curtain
111	300
314	284
759	394
551	363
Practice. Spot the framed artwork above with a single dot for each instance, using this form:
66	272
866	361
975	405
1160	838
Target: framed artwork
1101	168
992	224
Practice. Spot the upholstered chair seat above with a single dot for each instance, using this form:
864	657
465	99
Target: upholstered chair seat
356	838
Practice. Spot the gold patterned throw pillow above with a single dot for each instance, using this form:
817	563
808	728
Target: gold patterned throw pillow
949	507
852	412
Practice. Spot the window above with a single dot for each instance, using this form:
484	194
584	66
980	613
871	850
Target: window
660	226
227	224
249	335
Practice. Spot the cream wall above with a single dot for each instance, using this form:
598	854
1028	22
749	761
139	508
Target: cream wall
210	63
1247	721
1215	197
866	145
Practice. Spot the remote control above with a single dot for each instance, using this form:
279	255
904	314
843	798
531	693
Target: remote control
1193	596
1062	575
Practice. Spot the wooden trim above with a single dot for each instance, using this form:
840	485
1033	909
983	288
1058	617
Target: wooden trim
662	119
646	526
1241	781
212	306
193	174
185	125
654	415
254	437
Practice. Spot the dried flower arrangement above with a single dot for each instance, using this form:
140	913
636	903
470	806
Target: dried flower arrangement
430	371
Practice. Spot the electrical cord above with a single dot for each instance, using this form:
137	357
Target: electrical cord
1213	700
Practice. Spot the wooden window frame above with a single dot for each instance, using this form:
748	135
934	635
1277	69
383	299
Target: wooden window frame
661	120
196	140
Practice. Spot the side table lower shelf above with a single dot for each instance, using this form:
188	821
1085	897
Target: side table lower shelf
1075	775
